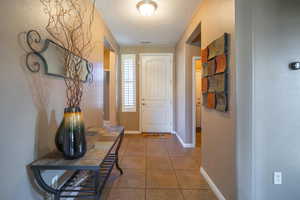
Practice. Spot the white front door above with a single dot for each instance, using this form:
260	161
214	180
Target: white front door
156	93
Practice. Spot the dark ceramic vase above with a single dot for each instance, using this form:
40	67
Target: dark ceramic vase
70	136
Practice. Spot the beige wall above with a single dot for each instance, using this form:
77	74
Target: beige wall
268	130
218	159
274	129
130	120
180	97
113	108
32	104
244	85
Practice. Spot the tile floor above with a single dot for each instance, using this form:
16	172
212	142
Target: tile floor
198	138
157	168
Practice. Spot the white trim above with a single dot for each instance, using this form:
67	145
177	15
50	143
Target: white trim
156	54
253	121
172	92
133	132
185	145
174	132
212	185
172	87
128	108
194	100
140	91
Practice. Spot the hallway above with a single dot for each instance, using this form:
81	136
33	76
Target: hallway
70	68
157	168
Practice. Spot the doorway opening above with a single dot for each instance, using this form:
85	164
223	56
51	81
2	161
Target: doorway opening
197	100
193	54
110	83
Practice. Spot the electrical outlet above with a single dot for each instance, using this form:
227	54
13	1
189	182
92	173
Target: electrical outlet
277	178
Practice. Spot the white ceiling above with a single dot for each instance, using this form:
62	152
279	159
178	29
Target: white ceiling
163	28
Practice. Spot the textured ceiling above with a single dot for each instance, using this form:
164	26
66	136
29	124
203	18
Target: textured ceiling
163	28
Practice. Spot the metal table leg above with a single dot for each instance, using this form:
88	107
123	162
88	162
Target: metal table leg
42	184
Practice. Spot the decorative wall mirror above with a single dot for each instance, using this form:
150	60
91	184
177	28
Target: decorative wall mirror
51	56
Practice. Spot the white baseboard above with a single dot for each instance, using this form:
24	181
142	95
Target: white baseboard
132	132
185	145
212	185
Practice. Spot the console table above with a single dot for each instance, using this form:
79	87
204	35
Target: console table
89	173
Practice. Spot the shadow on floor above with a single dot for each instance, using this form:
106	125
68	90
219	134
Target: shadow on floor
156	167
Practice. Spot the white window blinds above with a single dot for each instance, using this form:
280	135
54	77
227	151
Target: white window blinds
128	83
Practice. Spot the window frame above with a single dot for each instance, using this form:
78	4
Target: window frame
127	107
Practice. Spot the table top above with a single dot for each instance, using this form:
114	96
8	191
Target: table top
99	142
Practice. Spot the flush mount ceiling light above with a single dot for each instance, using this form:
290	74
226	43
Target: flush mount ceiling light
147	7
146	42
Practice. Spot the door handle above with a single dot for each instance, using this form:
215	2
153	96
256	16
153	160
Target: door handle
143	104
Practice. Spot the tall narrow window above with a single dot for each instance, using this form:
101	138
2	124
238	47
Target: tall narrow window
128	83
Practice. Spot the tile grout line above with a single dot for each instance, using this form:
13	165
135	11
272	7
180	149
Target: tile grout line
147	156
164	144
180	190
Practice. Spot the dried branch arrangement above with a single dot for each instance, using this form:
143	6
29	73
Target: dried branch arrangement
70	25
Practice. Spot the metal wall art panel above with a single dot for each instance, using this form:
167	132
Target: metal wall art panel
211	67
221	99
204	55
214	73
211	100
221	63
204	99
218	47
220	81
204	69
212	84
204	85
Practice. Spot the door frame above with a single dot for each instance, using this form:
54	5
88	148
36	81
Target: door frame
171	92
113	73
194	124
